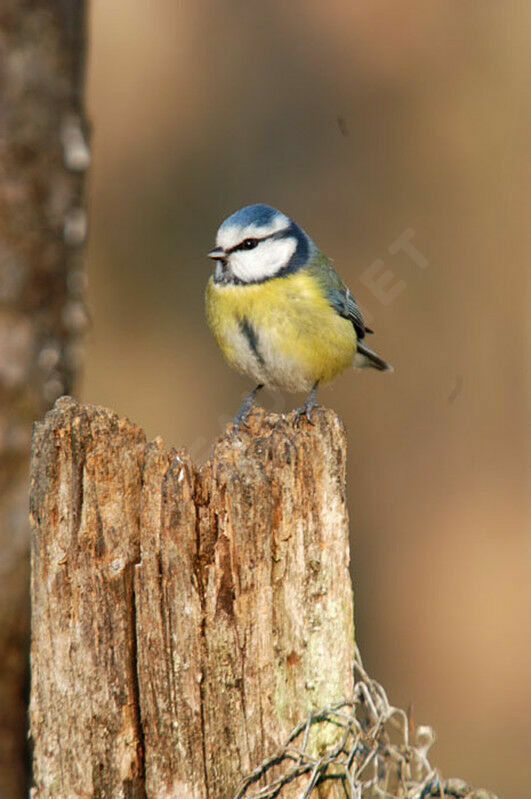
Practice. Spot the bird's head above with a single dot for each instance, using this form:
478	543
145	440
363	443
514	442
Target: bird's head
257	243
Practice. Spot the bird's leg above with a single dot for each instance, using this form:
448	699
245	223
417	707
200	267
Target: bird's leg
245	408
310	403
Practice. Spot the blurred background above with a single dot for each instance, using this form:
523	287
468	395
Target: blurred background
373	125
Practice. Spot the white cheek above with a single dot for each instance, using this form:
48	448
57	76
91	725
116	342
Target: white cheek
264	261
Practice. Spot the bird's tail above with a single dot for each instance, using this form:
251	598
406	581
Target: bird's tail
366	357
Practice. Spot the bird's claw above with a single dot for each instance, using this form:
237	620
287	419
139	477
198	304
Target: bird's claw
305	410
240	420
240	423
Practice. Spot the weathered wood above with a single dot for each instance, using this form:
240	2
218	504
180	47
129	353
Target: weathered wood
43	155
184	619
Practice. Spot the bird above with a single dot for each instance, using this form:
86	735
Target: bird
279	311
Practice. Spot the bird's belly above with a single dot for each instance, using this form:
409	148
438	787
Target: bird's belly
295	361
287	357
240	355
282	337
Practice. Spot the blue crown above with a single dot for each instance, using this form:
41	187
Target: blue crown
258	214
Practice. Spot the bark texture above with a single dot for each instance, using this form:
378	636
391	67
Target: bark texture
43	154
184	619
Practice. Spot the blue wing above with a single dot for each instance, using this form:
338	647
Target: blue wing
344	303
338	295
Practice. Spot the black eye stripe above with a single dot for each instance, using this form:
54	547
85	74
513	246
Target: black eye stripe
251	243
247	244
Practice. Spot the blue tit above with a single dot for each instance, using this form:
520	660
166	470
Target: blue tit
279	311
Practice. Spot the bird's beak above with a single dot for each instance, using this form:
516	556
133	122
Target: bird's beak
218	254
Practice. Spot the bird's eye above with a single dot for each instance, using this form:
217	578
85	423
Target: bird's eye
248	244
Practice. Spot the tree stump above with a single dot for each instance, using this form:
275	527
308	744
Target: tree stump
185	619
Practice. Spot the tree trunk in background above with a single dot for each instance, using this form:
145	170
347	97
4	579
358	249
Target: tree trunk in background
43	154
184	619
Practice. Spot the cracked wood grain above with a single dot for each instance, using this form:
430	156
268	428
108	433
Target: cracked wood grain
184	619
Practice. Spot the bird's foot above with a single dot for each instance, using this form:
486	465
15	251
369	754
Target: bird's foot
245	409
240	420
307	408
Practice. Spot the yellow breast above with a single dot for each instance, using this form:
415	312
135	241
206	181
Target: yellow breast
300	339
